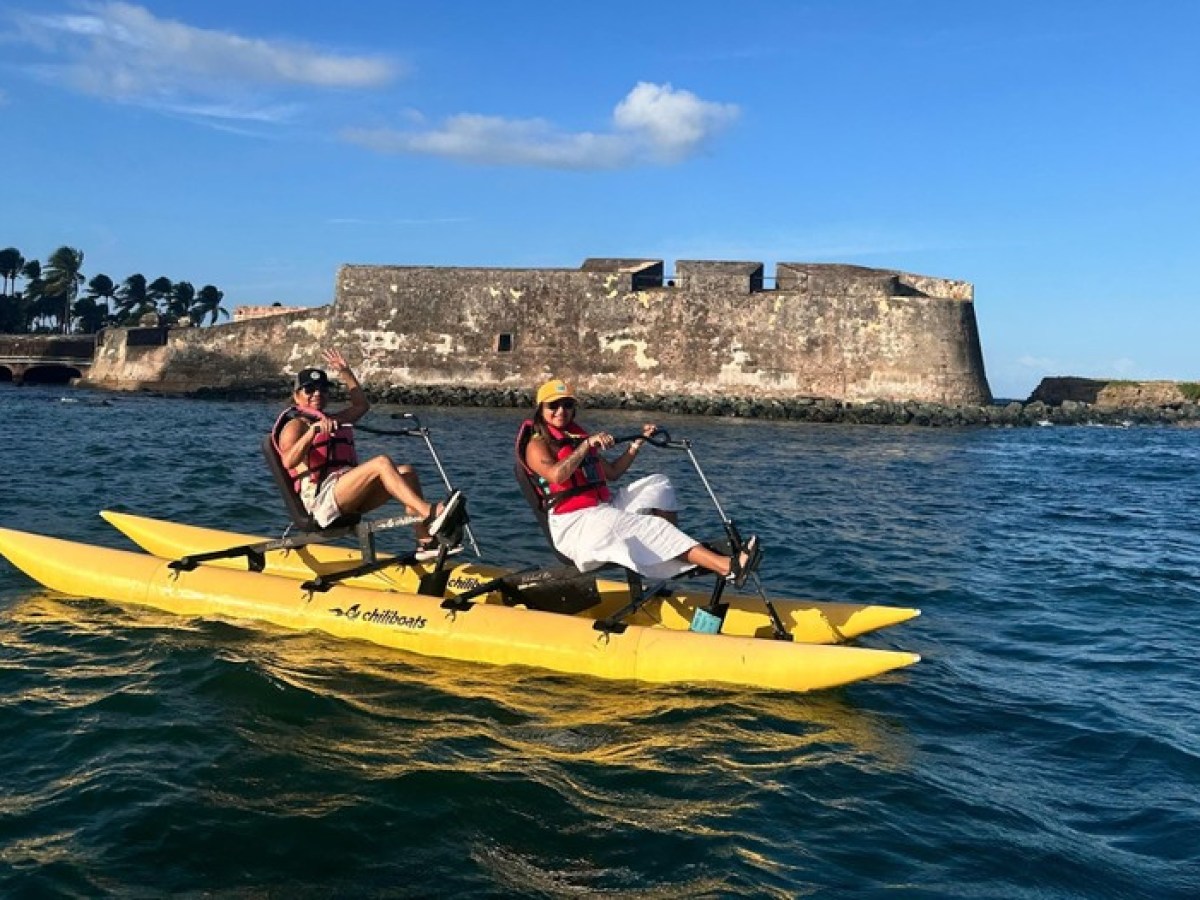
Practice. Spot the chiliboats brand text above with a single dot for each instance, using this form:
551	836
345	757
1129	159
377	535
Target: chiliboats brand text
380	617
464	582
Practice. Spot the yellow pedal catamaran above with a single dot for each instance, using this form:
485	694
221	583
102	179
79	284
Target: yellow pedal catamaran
808	621
550	618
484	632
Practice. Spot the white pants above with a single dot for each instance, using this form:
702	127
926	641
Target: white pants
616	532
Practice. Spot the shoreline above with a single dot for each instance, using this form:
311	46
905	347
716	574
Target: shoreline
820	410
1011	413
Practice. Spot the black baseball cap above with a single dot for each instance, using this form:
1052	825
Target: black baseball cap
311	378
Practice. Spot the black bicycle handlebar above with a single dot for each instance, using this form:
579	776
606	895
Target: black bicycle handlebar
415	431
660	439
390	432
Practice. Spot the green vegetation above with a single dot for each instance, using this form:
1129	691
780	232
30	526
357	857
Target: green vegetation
49	298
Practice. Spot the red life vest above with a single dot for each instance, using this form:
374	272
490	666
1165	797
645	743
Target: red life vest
328	453
585	488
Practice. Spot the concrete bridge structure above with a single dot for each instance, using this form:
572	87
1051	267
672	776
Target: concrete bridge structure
45	359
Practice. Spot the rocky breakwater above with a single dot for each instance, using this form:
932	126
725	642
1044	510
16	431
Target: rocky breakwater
1116	408
816	409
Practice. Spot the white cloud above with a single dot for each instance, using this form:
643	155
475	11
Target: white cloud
675	123
496	141
653	123
123	52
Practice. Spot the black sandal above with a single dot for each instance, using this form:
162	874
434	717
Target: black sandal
742	568
440	524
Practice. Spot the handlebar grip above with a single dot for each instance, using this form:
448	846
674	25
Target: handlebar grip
660	438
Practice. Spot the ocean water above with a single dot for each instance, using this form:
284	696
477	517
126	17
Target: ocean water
1048	745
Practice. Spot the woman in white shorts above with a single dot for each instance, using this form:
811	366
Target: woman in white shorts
592	524
316	446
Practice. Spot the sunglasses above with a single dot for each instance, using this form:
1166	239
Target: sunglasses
310	389
561	404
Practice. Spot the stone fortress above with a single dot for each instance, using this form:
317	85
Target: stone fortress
612	326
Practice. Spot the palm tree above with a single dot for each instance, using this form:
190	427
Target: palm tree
182	297
11	263
159	293
132	302
102	288
90	315
63	278
34	293
208	303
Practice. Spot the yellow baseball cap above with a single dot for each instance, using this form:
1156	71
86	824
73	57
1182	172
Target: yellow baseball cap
554	389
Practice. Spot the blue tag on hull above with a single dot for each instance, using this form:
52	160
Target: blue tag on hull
704	622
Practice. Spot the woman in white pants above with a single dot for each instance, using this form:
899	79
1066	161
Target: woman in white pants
592	524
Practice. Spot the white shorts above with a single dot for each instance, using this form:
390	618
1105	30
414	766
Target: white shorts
615	532
318	499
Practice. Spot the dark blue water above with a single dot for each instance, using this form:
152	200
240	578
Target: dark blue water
1047	746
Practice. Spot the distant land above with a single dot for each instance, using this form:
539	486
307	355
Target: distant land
1115	393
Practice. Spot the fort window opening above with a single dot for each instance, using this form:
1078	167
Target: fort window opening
504	343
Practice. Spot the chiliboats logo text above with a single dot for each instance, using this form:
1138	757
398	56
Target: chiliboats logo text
379	617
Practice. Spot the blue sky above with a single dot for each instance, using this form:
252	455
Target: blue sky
1047	152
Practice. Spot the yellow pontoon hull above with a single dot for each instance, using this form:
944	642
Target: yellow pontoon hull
809	621
485	633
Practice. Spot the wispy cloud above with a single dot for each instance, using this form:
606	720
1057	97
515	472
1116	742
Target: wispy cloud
652	124
862	242
403	223
124	53
1038	363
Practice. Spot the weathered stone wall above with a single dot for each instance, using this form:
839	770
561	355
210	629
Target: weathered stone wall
41	346
833	331
254	352
842	332
242	313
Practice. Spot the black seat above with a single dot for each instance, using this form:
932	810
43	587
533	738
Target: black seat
534	499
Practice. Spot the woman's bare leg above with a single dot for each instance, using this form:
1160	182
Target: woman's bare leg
706	559
372	484
714	562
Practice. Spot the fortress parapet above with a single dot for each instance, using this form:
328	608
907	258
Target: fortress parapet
614	325
836	331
